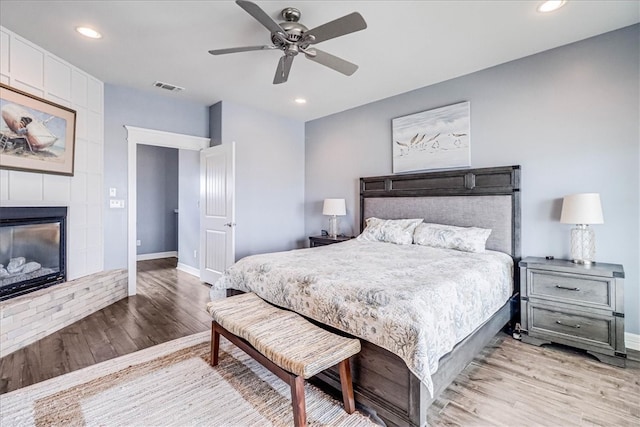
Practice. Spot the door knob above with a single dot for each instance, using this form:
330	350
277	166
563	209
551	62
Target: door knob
230	224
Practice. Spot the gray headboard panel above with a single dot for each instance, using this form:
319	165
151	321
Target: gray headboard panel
487	198
493	212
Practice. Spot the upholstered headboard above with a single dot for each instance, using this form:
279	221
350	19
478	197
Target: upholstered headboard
487	198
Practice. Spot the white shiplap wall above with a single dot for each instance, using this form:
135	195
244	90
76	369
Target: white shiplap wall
32	69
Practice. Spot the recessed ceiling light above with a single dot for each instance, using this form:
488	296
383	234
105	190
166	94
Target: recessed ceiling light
89	32
300	101
551	5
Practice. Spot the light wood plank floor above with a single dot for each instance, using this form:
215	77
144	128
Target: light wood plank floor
510	383
516	384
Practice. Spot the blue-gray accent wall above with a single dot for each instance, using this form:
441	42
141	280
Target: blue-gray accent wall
269	182
569	116
189	207
157	198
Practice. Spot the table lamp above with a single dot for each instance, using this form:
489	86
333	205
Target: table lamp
334	207
582	210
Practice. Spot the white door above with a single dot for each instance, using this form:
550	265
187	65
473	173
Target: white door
217	211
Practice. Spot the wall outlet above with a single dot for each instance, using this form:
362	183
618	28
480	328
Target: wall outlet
116	203
195	253
138	243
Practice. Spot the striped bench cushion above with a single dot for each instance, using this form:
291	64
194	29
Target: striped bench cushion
284	337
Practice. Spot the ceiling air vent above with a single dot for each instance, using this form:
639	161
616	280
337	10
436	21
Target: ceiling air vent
167	86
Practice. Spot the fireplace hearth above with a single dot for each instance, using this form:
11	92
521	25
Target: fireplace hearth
32	249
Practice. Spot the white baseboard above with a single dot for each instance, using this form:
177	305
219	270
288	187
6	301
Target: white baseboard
188	269
157	255
632	341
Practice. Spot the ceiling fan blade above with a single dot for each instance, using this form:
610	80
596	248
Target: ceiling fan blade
331	61
282	71
336	28
260	16
239	49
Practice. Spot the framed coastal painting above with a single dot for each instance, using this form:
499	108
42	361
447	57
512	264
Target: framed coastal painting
36	135
433	139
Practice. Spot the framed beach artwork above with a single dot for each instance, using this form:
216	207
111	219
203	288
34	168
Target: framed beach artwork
36	135
433	139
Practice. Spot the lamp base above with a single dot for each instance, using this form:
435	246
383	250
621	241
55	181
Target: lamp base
583	244
333	227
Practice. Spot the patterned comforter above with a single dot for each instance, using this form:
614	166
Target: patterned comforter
415	301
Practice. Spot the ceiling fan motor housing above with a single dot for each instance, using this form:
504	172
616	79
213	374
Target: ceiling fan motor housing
293	29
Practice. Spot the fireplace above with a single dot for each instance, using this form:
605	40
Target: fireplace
32	249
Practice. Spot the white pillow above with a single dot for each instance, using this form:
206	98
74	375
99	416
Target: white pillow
398	231
468	239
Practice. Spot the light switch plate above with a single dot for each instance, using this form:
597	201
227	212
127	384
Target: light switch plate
112	192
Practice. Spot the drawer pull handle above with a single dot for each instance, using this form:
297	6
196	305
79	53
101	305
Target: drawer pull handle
564	324
567	288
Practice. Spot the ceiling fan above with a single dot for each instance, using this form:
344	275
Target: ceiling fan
293	38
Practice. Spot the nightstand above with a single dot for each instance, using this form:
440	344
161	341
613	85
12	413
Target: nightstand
576	305
326	240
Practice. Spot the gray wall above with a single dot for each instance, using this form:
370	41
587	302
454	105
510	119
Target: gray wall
269	177
157	198
125	106
569	116
189	206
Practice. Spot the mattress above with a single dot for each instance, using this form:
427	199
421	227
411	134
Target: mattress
415	301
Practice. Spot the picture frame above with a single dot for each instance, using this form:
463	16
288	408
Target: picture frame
432	139
36	135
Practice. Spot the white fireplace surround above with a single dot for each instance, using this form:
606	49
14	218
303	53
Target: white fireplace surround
25	319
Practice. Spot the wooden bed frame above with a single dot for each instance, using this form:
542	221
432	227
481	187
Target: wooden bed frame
382	382
489	198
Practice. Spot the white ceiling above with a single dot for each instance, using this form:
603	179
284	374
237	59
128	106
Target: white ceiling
407	45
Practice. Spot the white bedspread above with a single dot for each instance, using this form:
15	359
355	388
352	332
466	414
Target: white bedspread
415	301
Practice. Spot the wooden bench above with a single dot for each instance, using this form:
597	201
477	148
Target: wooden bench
284	342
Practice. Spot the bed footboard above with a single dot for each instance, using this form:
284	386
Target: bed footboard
388	390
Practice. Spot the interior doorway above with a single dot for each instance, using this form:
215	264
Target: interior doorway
158	179
158	138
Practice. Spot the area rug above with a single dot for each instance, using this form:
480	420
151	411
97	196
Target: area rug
170	384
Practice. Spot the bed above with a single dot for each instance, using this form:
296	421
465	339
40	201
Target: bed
398	373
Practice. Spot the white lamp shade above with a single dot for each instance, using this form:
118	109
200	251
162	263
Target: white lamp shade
334	207
582	208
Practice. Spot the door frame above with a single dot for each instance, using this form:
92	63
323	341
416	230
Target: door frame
158	138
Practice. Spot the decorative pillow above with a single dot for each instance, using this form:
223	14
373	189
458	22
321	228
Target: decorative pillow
468	239
398	231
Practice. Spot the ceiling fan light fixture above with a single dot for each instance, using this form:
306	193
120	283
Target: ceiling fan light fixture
550	5
89	32
300	101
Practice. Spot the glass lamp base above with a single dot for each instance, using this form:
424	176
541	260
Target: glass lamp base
583	245
333	227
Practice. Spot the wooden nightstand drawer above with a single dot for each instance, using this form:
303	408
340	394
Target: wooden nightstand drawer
590	290
569	325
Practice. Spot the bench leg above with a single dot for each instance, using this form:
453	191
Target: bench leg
297	401
215	344
347	386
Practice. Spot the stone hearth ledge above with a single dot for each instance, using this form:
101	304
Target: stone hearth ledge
28	318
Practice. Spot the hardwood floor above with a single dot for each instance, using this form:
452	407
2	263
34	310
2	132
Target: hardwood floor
512	383
170	304
509	383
